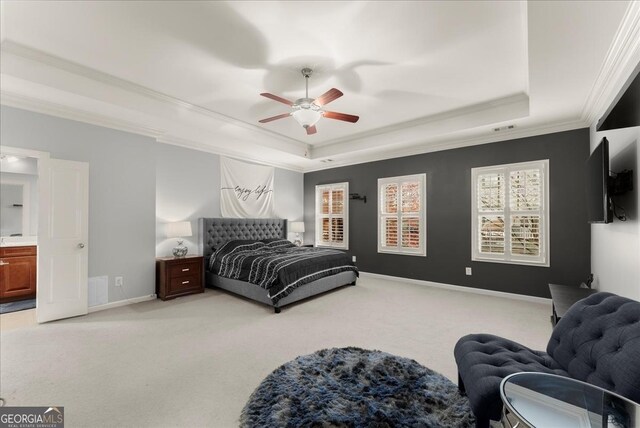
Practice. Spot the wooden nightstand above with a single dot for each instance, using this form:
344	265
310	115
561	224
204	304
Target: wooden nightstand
179	277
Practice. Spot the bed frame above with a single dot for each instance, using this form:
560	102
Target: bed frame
216	231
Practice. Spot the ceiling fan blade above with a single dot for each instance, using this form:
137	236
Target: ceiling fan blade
331	95
271	119
277	98
311	130
341	116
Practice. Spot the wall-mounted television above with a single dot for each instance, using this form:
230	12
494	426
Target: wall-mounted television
598	185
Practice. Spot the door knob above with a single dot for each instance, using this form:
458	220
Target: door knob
81	245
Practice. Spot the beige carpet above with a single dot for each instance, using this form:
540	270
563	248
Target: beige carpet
194	361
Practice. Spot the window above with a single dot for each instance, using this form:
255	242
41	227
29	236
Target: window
510	213
332	215
401	215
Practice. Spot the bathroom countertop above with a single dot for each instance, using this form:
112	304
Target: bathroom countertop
4	243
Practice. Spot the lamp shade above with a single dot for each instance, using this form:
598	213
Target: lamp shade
297	227
178	229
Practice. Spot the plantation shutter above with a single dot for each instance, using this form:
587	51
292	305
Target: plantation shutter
401	216
510	219
490	200
332	215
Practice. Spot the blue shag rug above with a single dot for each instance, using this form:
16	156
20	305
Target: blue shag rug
353	387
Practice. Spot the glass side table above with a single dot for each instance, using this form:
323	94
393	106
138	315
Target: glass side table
541	400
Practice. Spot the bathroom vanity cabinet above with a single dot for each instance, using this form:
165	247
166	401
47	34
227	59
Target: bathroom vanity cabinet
17	273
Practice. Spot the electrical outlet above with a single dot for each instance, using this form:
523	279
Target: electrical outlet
467	270
353	259
118	281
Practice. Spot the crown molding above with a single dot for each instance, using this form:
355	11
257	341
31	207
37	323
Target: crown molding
11	47
622	58
441	144
58	110
510	101
437	144
477	115
54	109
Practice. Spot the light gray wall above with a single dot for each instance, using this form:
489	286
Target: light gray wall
615	247
188	187
288	195
121	192
187	183
136	185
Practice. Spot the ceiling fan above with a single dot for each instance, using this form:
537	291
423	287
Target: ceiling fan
307	111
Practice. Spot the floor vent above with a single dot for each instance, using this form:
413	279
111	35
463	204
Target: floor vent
98	290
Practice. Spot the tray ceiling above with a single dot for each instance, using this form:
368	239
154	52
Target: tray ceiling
420	75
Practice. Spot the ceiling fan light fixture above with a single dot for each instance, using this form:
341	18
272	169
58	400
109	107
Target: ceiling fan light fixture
308	111
306	116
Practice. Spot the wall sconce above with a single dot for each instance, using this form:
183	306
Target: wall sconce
358	197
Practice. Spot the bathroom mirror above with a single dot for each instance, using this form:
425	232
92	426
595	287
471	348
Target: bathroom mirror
18	198
12	209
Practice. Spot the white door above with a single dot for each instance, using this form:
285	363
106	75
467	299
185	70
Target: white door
63	230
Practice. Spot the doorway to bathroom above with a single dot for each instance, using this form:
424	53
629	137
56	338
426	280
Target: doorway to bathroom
61	239
18	231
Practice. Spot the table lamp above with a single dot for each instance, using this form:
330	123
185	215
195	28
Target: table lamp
179	229
297	227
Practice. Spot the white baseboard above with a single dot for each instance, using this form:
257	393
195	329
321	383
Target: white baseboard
119	303
459	288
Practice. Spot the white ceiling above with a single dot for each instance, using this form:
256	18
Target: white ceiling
421	75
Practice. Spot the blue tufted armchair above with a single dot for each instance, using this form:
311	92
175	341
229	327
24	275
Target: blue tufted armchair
597	341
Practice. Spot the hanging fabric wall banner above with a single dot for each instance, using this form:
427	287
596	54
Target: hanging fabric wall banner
246	190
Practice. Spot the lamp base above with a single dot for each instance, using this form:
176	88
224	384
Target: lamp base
180	251
297	241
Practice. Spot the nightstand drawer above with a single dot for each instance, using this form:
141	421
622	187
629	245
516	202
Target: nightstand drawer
184	283
184	269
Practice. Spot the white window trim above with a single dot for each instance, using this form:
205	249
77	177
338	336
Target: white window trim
345	215
507	258
422	251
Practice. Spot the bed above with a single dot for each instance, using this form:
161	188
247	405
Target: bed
217	233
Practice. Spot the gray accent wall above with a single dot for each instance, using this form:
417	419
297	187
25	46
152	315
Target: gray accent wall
449	214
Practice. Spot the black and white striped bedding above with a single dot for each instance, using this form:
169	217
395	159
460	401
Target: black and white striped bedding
277	265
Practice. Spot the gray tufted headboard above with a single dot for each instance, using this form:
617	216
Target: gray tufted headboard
216	231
